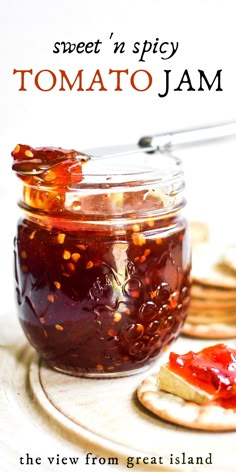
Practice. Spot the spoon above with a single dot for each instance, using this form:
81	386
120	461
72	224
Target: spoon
163	142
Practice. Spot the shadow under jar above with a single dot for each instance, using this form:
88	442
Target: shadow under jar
102	258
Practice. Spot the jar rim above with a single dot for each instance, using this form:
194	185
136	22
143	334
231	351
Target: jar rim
134	170
129	169
139	183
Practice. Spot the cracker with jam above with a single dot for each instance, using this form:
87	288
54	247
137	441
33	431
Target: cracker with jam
195	390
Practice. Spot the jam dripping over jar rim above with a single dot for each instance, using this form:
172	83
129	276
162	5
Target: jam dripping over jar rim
74	184
86	170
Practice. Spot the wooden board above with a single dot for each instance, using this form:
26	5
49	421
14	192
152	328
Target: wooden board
107	412
69	415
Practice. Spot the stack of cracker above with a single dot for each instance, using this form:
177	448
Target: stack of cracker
212	311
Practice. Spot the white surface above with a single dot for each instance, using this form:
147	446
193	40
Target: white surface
206	34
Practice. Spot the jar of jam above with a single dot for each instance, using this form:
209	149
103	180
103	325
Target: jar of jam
102	258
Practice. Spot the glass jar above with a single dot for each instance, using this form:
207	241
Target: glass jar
102	259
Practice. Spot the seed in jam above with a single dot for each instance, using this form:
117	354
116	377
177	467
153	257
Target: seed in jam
82	247
32	235
138	239
75	256
136	228
89	265
66	254
117	317
16	150
57	284
61	238
23	255
59	327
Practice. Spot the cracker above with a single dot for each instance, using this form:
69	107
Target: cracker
213	314
195	319
213	277
207	270
176	410
209	331
201	292
212	318
229	257
211	305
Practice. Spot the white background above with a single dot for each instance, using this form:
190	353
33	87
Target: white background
205	30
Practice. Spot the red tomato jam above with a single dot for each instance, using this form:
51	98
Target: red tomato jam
102	280
213	370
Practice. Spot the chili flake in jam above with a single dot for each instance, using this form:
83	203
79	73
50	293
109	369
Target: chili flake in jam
101	269
212	369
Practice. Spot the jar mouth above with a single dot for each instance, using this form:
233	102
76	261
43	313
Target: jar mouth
134	170
89	171
132	184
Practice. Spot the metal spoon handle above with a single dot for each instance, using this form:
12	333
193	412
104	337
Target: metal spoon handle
171	140
157	142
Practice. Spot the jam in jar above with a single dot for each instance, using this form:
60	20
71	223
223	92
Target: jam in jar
102	258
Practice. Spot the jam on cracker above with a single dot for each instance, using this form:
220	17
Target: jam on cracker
102	258
207	376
